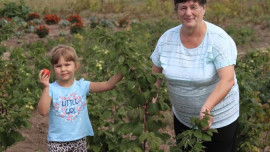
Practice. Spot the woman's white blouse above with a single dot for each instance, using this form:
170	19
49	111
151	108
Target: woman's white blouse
192	73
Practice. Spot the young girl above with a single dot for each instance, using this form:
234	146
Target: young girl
65	102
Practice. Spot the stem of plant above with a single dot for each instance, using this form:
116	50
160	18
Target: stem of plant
144	123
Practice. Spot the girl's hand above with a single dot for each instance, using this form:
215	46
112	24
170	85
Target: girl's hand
202	114
44	79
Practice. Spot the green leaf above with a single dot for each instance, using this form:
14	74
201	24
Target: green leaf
198	134
206	137
152	108
96	148
117	69
151	79
147	96
126	128
131	85
143	136
106	115
198	147
121	111
16	135
133	114
163	106
153	125
137	129
137	149
124	70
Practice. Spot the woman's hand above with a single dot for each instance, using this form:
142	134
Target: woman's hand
154	100
226	82
202	115
44	79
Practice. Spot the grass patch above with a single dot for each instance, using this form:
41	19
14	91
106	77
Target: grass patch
241	35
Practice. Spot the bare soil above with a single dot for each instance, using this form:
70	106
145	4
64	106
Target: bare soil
35	137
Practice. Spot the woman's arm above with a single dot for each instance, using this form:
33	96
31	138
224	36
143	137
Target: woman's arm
156	69
106	85
45	100
226	82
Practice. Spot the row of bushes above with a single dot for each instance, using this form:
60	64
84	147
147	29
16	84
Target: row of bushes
125	119
20	15
34	24
242	34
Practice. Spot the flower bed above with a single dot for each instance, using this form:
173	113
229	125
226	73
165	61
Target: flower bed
76	23
51	19
76	27
75	19
32	16
42	31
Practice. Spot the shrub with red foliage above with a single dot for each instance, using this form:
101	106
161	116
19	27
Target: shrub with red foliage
76	27
76	23
42	31
75	19
51	19
123	22
32	16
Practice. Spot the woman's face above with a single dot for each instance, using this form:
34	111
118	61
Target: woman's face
190	13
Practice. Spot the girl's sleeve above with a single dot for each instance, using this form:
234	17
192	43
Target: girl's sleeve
224	52
50	90
85	85
156	56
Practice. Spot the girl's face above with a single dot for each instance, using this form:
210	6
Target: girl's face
190	13
64	71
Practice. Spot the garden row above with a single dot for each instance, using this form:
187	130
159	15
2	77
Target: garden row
125	119
16	19
39	26
74	21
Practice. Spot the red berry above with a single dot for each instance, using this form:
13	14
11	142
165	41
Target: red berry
46	72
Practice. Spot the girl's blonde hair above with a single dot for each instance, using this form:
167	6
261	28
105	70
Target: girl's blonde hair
67	52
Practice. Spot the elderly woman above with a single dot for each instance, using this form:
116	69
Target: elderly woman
197	59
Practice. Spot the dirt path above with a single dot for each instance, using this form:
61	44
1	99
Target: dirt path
262	41
35	137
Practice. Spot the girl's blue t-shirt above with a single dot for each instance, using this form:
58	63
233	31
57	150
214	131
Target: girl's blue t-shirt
192	73
68	116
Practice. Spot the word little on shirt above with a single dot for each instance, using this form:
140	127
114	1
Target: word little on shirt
69	107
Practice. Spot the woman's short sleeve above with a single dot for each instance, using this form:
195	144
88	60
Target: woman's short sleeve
156	56
224	52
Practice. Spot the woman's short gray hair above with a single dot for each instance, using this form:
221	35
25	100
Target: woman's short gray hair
201	2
